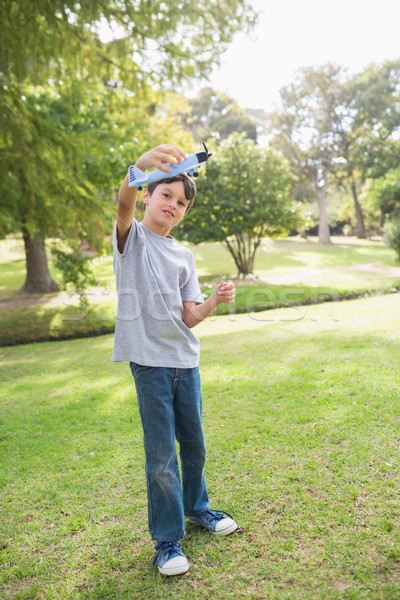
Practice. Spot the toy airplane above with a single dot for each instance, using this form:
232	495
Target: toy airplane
138	178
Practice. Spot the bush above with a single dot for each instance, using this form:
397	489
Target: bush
75	268
392	236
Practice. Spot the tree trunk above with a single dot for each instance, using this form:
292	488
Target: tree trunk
38	278
244	259
324	234
360	229
246	267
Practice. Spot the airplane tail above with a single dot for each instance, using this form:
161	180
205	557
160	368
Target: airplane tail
134	175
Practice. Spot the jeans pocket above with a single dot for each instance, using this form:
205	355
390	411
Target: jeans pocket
138	370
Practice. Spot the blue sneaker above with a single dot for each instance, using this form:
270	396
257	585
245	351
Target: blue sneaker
170	559
217	521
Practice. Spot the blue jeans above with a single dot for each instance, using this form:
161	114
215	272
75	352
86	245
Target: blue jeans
170	405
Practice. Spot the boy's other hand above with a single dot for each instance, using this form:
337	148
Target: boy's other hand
225	292
194	313
161	156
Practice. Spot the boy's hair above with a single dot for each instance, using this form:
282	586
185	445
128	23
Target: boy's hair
188	184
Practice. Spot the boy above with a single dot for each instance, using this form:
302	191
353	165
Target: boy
159	301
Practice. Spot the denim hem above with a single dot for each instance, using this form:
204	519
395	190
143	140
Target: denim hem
167	539
198	514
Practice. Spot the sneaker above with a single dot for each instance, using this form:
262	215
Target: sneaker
217	521
170	559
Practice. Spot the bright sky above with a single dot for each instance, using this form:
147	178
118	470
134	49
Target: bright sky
296	33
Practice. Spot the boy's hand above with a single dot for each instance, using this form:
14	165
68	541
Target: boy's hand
225	292
165	154
195	313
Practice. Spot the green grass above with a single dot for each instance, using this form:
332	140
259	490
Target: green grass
332	272
38	323
274	257
282	256
301	416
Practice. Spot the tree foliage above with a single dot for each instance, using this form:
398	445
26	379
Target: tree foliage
75	108
374	110
368	120
73	157
162	40
215	114
385	191
304	130
244	196
336	128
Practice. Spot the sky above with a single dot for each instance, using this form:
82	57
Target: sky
297	33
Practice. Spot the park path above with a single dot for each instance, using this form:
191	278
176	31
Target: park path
61	299
299	276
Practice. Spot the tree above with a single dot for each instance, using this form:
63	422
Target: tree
367	124
215	114
374	106
57	76
243	198
163	40
333	127
74	158
42	185
385	193
347	172
305	131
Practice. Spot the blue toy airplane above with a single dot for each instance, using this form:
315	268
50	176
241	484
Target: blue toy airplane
138	178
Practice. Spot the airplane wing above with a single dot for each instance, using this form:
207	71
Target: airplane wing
135	175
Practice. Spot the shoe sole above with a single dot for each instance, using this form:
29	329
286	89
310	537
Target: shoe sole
174	570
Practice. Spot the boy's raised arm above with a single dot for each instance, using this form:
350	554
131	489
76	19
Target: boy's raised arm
160	157
127	198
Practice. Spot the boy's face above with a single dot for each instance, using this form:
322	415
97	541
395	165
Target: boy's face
165	208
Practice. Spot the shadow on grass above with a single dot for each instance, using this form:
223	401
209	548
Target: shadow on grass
38	323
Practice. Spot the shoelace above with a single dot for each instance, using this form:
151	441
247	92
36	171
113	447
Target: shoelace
169	547
215	515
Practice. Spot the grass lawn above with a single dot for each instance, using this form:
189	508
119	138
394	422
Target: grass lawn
301	415
286	255
274	257
347	269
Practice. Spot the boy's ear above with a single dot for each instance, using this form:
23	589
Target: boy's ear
146	196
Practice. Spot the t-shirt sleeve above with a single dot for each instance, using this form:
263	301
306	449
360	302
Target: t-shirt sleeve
191	290
129	242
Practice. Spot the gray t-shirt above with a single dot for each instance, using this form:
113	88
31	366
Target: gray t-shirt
154	276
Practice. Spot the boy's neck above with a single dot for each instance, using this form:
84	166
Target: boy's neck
155	228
